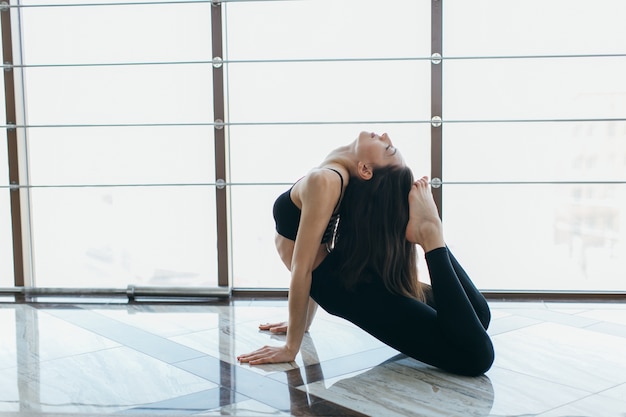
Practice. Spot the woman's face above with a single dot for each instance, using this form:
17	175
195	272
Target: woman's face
377	150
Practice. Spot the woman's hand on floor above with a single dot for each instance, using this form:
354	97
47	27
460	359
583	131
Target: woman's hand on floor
279	328
268	354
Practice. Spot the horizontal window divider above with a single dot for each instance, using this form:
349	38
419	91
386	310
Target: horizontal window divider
220	62
572	182
146	185
113	4
537	56
218	124
555	120
237	184
99	125
312	122
128	3
310	60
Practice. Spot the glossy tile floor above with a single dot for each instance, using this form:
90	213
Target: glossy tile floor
552	359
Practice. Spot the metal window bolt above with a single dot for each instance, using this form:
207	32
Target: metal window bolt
435	58
220	184
436	121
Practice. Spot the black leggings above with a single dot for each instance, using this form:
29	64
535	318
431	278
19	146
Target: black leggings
448	331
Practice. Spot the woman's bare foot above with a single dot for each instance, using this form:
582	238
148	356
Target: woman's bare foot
424	227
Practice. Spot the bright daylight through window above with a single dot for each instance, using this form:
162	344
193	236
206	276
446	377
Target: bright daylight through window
120	136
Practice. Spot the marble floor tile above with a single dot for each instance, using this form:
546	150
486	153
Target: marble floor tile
407	387
509	323
244	408
570	356
574	320
279	396
105	381
320	344
498	314
609	403
164	321
127	335
607	315
190	404
609	328
70	360
518	394
337	367
35	336
572	307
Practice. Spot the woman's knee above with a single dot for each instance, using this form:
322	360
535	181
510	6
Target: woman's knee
481	361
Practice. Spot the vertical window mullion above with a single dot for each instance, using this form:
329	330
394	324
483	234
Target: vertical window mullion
221	200
16	144
436	100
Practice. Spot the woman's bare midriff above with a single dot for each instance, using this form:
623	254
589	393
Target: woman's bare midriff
285	248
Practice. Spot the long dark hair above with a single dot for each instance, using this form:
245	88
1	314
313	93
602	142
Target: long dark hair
371	238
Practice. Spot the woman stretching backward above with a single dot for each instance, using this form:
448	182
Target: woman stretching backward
348	232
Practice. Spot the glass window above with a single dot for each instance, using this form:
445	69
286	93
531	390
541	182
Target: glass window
561	236
377	94
329	92
6	241
112	237
327	29
280	155
534	89
560	226
122	155
545	152
116	33
533	27
88	230
539	237
133	203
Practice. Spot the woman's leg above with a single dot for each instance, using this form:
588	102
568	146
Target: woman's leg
481	308
451	337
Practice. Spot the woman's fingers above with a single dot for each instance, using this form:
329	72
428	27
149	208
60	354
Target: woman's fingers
274	327
267	354
247	357
251	359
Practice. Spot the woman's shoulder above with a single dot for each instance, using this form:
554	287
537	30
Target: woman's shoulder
320	181
325	176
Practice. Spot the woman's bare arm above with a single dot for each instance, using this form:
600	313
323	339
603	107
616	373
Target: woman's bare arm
281	327
317	206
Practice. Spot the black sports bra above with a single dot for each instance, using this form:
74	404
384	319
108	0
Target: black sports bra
287	216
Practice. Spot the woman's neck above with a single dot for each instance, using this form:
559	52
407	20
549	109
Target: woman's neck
343	157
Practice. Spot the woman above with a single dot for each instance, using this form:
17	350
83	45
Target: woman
371	277
304	224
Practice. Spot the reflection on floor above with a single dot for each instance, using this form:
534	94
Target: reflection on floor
552	359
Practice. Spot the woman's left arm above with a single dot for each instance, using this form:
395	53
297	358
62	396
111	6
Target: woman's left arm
317	207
